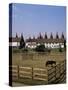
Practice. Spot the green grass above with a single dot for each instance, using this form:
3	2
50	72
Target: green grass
17	50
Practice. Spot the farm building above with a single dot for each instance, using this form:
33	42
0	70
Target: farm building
34	42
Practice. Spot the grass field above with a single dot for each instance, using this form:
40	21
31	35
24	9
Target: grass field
36	59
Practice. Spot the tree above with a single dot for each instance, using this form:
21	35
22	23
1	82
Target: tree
29	38
40	36
40	48
33	37
45	35
64	44
51	36
17	39
62	36
16	35
60	49
57	37
22	42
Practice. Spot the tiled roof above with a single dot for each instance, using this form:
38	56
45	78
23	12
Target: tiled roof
14	39
38	40
46	40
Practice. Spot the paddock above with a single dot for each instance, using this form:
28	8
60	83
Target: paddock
35	76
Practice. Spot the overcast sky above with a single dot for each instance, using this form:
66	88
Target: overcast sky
33	19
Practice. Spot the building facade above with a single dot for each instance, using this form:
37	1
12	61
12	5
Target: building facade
34	42
49	43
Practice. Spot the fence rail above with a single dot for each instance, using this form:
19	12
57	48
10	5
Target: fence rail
53	74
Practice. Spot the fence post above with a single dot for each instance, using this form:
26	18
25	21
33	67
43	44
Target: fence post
47	76
65	66
59	70
32	73
55	72
18	71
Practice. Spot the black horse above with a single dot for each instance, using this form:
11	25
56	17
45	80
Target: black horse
50	62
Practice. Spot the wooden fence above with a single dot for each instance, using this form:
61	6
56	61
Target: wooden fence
55	74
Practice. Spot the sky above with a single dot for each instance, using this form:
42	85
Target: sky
34	19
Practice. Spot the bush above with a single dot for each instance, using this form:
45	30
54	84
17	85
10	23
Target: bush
60	49
24	50
16	50
40	48
49	50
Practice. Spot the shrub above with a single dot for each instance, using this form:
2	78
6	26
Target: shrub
40	48
49	50
60	49
16	50
24	50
